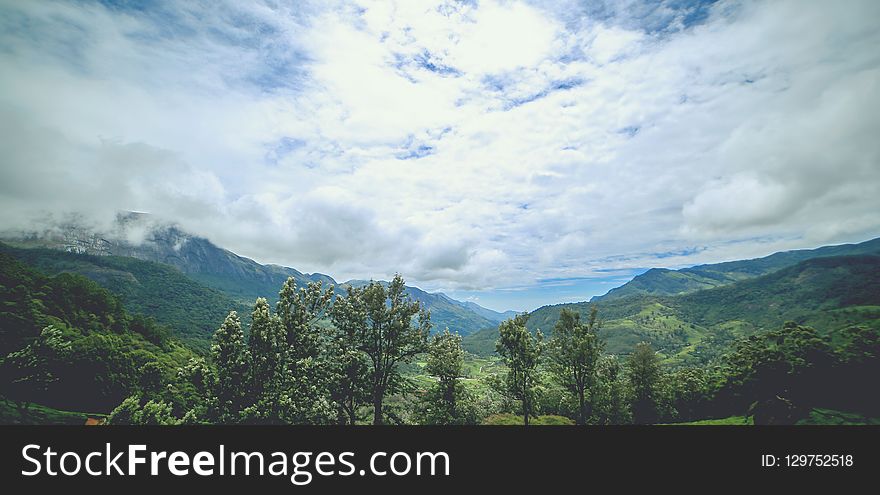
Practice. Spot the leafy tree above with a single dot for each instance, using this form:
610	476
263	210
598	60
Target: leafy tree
309	367
196	390
156	412
782	371
349	366
573	351
299	311
690	392
521	352
29	371
611	397
387	334
126	412
231	358
159	335
449	401
151	378
134	411
269	373
644	379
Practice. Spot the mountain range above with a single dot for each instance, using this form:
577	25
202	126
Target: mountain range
689	315
662	281
167	261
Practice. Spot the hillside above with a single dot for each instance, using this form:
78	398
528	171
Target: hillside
192	310
661	281
238	279
95	358
484	312
201	260
828	293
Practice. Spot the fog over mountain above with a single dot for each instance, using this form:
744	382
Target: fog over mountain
437	140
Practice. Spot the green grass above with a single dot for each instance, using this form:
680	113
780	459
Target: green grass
514	420
41	415
731	421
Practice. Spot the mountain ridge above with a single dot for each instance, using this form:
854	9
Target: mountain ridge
664	281
236	276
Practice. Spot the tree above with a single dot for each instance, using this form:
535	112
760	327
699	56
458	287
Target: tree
348	364
299	311
29	371
521	353
782	372
231	357
644	378
267	343
150	382
611	395
573	351
445	362
387	334
132	412
309	366
689	387
195	392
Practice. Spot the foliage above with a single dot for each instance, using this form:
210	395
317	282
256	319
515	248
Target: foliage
512	420
644	374
384	330
90	355
573	353
521	352
448	401
168	297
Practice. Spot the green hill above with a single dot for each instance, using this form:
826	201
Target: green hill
661	281
97	351
828	293
191	309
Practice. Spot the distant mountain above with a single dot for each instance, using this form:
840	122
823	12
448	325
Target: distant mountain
827	292
661	281
484	312
198	258
241	280
446	312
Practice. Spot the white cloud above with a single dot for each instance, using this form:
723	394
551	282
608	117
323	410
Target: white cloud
468	145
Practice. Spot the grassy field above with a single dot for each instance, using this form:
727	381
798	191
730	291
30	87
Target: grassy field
513	420
731	421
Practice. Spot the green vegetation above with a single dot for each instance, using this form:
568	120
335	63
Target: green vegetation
481	342
41	415
144	287
821	416
445	312
573	358
785	347
731	421
663	282
513	420
831	293
521	352
68	344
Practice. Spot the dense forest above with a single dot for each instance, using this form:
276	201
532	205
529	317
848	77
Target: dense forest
370	354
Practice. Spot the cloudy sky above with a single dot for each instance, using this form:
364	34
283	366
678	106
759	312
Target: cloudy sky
514	153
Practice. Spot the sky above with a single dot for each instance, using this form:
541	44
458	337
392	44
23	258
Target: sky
511	153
